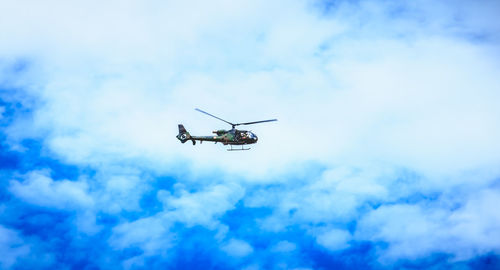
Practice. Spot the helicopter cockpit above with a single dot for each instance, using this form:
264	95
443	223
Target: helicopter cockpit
252	136
248	135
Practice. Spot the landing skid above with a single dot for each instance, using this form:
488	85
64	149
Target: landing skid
237	149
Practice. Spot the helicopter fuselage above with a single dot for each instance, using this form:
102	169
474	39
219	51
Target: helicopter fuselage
226	137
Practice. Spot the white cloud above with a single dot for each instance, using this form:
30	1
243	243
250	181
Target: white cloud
476	225
414	102
39	189
237	248
150	234
334	239
203	207
120	189
414	231
372	91
153	234
411	232
334	196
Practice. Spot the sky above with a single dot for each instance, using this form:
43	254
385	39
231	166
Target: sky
385	154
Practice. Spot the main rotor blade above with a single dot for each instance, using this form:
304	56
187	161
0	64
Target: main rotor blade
215	117
256	122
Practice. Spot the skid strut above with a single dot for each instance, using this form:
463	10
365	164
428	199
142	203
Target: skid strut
237	149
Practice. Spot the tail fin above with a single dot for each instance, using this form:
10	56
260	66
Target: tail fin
183	135
182	129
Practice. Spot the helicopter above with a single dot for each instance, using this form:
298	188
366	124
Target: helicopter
226	137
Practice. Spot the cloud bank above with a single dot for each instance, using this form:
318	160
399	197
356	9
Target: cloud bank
385	154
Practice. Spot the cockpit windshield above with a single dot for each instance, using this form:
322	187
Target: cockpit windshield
248	135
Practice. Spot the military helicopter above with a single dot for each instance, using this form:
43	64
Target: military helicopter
226	137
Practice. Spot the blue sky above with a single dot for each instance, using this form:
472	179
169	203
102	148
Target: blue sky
385	155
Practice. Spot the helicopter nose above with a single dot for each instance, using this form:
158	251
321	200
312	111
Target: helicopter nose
255	139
